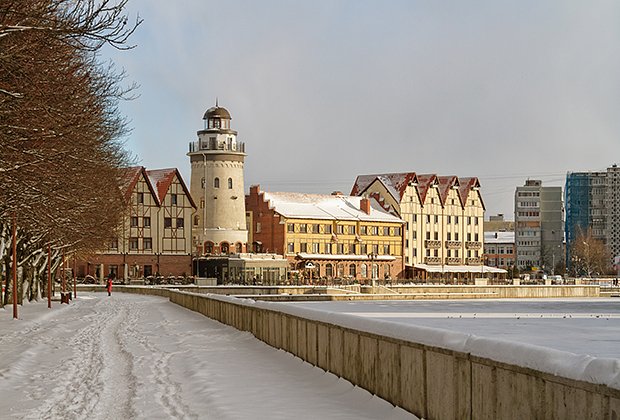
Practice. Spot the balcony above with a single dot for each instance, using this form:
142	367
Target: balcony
432	244
474	261
472	245
453	261
432	260
453	244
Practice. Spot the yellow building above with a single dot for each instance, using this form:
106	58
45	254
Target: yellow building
444	221
327	236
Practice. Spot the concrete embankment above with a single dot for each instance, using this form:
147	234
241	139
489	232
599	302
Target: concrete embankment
430	381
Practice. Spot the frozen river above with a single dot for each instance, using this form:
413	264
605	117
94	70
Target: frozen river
581	326
130	356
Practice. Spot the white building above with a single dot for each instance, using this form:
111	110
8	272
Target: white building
216	185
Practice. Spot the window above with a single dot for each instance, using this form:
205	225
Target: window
258	227
374	230
363	249
290	228
386	250
202	183
114	243
315	248
329	270
428	218
148	270
375	249
469	237
208	247
448	236
167	222
180	223
134	221
147	222
469	220
230	183
196	220
328	248
364	270
303	247
328	228
216	183
456	236
436	219
386	231
476	237
436	236
173	199
397	231
290	247
202	203
352	270
352	230
340	229
303	228
148	243
238	247
476	221
363	230
315	228
456	220
133	244
449	220
340	249
140	198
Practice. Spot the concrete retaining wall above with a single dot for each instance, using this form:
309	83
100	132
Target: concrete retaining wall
431	382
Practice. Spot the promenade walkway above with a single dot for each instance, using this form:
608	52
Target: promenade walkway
129	356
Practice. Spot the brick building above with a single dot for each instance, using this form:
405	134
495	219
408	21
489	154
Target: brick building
155	237
326	236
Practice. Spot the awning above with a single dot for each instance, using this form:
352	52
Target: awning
353	257
481	269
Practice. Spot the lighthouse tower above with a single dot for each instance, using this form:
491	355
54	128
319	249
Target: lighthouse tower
216	184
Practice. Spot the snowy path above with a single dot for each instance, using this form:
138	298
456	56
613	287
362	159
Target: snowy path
129	356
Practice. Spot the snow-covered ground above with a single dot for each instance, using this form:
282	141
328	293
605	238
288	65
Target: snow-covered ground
580	326
129	356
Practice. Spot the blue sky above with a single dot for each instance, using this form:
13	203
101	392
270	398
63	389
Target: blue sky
322	91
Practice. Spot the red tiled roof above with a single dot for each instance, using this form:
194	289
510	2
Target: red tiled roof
466	186
396	183
161	179
445	184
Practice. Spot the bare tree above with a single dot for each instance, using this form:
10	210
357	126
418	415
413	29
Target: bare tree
589	256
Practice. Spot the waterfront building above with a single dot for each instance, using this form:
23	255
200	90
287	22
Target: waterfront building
539	226
217	186
327	236
155	236
443	221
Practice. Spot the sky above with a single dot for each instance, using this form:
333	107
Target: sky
326	90
143	357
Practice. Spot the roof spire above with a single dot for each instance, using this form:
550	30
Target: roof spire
216	105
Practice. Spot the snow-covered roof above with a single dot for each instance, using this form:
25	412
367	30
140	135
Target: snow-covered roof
352	257
499	237
326	207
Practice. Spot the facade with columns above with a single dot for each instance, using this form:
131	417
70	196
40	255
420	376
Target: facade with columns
216	185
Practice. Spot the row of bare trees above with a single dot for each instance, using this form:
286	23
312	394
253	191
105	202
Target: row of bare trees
61	132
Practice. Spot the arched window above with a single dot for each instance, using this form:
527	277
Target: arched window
224	248
329	270
208	247
375	271
364	270
216	183
196	220
238	247
352	270
230	183
386	270
340	270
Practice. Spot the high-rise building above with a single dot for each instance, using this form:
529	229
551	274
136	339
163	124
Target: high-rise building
216	184
593	204
539	226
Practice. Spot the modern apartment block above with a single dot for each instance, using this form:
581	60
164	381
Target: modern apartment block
539	226
593	203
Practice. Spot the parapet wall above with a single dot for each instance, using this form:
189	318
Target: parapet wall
460	379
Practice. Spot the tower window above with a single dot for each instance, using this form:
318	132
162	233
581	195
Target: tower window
230	183
202	183
216	183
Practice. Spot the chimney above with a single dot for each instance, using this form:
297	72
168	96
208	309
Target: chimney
365	205
254	189
336	192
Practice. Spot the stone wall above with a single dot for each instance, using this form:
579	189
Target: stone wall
431	382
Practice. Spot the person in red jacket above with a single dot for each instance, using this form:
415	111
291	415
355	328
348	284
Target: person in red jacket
108	286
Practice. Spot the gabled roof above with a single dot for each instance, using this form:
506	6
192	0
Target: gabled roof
445	184
424	183
161	179
395	183
158	182
467	184
326	207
